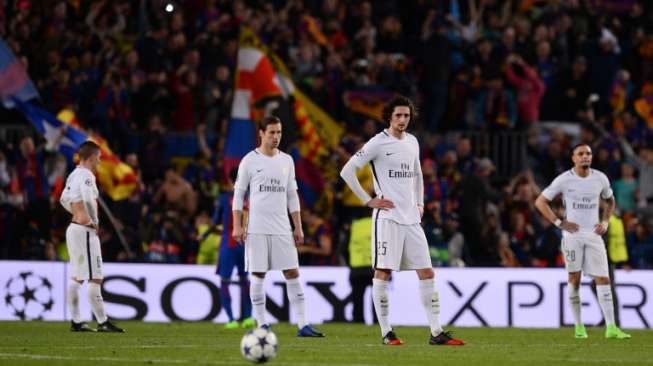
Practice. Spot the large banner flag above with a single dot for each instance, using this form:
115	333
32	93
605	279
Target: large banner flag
64	134
116	178
263	85
59	136
14	81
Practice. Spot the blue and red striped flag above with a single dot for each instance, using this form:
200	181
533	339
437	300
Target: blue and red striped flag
262	80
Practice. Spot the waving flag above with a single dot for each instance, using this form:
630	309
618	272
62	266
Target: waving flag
263	84
63	133
14	81
116	178
59	136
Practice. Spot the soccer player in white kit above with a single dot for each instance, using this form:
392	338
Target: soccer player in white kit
398	240
79	198
269	176
584	191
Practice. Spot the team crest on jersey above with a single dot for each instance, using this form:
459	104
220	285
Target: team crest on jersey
88	182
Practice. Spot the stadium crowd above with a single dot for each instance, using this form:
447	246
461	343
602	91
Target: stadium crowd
145	79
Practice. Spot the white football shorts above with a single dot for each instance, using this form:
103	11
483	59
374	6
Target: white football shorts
84	252
265	252
585	251
399	247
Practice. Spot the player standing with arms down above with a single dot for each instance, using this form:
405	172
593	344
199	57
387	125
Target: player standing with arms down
398	240
232	256
269	175
79	197
582	190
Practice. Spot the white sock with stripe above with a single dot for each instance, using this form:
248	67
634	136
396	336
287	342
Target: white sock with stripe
574	300
257	295
381	304
604	293
431	303
73	300
96	301
297	302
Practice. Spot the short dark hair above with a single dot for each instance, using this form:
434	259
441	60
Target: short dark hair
266	121
399	101
573	149
87	149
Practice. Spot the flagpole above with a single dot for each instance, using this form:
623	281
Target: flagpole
116	225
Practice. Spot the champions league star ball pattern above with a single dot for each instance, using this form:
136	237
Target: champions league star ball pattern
259	345
29	295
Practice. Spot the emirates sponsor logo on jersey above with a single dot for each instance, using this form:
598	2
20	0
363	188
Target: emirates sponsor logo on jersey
585	203
403	172
274	187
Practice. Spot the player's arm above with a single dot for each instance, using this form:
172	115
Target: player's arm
607	207
348	174
293	206
542	203
419	186
88	201
240	189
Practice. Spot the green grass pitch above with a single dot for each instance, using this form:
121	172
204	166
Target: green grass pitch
50	343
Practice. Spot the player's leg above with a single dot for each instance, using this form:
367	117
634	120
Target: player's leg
94	289
247	321
573	253
74	241
596	265
416	256
225	301
257	264
225	269
387	246
284	257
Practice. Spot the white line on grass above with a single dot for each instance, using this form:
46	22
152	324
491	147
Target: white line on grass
20	356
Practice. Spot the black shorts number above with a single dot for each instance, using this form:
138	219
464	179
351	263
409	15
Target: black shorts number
570	255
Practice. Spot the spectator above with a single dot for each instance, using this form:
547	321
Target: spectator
317	249
625	189
530	89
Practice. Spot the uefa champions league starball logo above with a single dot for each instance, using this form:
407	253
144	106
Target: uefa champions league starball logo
28	295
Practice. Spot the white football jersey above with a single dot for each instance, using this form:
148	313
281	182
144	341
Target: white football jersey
394	165
80	183
268	179
580	196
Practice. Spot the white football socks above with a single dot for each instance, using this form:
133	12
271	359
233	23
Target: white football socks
431	302
257	295
96	301
381	305
574	300
73	300
604	293
297	302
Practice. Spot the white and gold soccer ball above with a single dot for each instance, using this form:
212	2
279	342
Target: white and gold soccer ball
259	345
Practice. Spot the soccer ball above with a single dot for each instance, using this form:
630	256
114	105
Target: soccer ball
259	345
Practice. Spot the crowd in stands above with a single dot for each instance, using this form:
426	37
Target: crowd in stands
144	78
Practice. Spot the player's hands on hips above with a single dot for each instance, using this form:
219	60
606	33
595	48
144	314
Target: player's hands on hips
238	233
299	236
380	203
601	228
420	208
569	226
